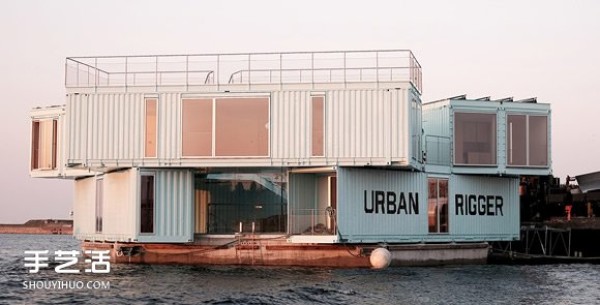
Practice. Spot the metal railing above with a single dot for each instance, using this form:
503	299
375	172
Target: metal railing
244	68
438	150
312	222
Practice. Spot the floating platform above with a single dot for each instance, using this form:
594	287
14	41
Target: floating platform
279	252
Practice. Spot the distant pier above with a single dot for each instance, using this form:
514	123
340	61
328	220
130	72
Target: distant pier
39	226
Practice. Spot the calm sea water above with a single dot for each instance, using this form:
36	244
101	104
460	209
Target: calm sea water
144	284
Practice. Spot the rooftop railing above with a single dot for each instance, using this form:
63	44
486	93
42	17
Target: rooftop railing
247	69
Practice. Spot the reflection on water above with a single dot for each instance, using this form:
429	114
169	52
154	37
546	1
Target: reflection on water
150	284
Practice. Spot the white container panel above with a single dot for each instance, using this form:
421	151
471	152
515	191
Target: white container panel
84	213
105	127
169	126
367	124
290	125
119	207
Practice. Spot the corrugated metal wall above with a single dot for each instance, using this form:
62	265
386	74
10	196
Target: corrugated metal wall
367	124
361	127
355	224
485	227
173	206
105	126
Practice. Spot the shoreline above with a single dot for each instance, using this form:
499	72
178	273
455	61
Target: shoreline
40	227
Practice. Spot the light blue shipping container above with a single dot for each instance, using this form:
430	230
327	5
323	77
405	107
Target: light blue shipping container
402	213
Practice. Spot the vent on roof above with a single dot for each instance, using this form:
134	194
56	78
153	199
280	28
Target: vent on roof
532	100
459	97
504	100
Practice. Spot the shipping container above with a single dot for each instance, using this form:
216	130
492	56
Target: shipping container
359	127
484	136
400	206
108	207
49	143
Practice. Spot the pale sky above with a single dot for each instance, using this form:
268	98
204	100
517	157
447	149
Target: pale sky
544	49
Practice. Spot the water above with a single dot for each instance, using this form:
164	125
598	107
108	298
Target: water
145	284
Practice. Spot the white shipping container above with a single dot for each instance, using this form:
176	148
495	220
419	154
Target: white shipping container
361	127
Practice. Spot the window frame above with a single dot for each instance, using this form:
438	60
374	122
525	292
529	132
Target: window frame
99	205
312	124
438	205
494	140
36	147
156	127
214	99
527	140
153	175
212	128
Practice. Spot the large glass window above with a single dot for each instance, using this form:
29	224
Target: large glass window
527	140
437	205
151	120
538	140
99	204
242	126
43	144
245	201
318	119
197	117
147	204
223	127
474	139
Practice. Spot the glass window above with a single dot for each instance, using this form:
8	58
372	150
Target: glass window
432	208
538	140
527	140
242	126
474	138
35	144
197	121
437	205
517	140
151	119
99	204
44	144
318	112
243	201
147	204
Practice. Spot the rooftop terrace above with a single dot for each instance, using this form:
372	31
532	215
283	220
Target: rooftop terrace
219	70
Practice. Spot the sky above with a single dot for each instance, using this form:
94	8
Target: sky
521	49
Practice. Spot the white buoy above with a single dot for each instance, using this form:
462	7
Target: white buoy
380	258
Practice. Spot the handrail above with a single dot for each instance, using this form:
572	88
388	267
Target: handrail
376	69
221	69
